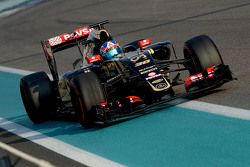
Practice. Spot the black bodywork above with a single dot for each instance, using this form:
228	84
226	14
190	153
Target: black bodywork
150	72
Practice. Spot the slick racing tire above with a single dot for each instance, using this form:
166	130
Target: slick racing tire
86	93
202	52
38	96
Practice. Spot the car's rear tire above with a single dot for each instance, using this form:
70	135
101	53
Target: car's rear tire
38	96
86	93
202	52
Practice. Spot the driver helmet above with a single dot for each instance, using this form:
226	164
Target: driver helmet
110	49
99	37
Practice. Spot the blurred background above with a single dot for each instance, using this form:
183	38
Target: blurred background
225	21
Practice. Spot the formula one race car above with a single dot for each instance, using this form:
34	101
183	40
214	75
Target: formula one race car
100	90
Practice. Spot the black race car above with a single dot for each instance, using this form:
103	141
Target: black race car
100	91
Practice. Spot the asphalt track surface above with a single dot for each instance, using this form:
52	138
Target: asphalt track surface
227	22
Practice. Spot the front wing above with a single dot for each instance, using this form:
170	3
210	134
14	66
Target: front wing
117	111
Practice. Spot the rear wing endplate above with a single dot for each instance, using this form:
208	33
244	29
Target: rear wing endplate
65	41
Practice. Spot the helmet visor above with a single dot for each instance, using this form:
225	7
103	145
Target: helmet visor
113	52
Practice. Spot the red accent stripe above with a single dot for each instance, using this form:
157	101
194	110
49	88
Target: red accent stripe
134	99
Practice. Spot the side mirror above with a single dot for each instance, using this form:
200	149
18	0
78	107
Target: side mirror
144	43
94	59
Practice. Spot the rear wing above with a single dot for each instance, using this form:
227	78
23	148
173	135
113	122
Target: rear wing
65	41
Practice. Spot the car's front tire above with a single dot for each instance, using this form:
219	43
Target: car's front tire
202	53
86	93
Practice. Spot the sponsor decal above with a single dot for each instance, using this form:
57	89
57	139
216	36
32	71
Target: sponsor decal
67	37
136	58
142	63
151	74
151	51
161	85
154	76
148	70
77	33
157	81
55	41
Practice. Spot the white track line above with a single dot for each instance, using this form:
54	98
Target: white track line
217	109
67	150
15	71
